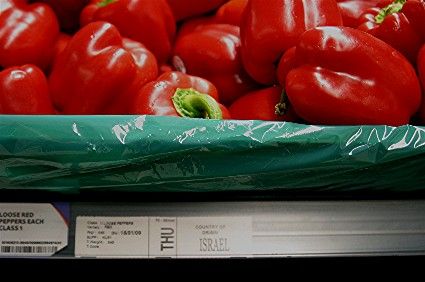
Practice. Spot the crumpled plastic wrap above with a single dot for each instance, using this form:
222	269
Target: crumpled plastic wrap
145	153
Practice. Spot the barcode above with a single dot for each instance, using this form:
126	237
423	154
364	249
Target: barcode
28	249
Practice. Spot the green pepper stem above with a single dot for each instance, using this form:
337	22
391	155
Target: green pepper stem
282	107
105	3
193	104
393	8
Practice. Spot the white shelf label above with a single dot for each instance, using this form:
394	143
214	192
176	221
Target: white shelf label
214	236
31	230
163	237
112	237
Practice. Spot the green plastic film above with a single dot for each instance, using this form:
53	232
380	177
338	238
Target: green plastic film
145	153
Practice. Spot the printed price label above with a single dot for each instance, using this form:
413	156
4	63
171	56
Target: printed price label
163	236
33	229
112	236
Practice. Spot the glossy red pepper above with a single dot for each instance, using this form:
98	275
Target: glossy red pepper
149	22
351	10
24	91
231	12
213	52
421	65
67	11
400	23
179	94
60	45
165	68
99	72
421	70
343	76
265	104
271	27
183	9
27	33
192	25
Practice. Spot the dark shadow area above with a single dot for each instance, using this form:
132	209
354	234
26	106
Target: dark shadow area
104	196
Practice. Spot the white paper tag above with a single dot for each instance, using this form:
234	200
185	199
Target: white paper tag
31	230
163	237
214	236
112	237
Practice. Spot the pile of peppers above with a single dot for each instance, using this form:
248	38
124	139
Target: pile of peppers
327	62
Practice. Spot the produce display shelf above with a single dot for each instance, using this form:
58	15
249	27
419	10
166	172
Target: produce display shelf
280	228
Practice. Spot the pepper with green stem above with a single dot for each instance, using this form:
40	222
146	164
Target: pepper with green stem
400	23
179	94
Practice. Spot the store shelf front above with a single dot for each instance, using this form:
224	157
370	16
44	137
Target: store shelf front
240	229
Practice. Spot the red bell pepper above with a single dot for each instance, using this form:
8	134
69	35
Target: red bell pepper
183	9
421	65
24	91
27	33
149	22
60	45
192	25
67	11
351	10
264	104
99	72
343	76
271	27
165	68
231	12
221	63
179	94
400	23
421	70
